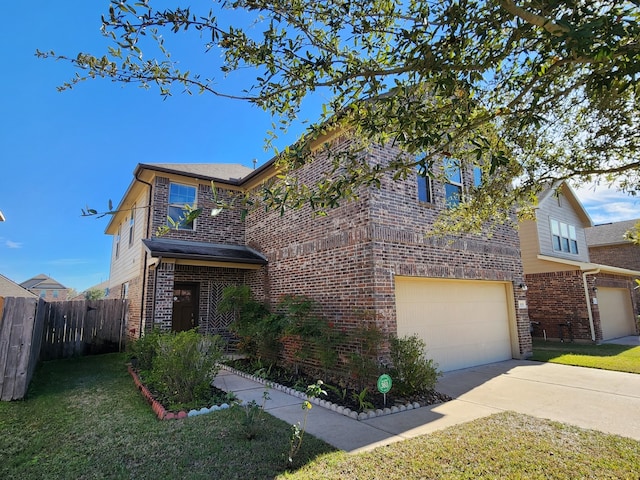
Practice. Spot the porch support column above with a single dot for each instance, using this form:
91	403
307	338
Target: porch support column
165	274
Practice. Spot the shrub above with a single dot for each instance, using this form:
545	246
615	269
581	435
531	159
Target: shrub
363	363
143	350
412	372
184	365
258	329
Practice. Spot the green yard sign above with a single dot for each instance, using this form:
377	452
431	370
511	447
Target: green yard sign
384	383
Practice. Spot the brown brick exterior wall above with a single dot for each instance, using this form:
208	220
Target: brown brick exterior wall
400	225
49	295
227	227
559	298
347	260
623	256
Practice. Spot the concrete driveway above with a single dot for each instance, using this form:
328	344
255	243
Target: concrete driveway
589	398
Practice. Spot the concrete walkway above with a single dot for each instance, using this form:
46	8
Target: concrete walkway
588	398
633	340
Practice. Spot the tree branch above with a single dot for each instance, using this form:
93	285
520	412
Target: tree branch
533	19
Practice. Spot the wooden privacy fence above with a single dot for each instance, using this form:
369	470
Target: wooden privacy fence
20	337
32	330
82	328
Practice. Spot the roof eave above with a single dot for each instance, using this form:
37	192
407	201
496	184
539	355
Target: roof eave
587	266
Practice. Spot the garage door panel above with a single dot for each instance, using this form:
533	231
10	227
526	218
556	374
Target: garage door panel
462	323
616	312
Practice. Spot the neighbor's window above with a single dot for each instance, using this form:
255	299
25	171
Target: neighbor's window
564	237
179	197
453	185
43	293
55	294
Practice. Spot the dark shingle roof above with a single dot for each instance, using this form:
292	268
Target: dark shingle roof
609	233
220	171
160	247
42	282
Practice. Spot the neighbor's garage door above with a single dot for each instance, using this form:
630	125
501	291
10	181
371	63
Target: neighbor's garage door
616	312
463	323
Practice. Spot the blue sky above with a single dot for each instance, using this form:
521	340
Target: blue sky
60	152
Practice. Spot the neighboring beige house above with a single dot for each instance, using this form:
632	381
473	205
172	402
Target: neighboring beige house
46	288
569	294
8	288
366	259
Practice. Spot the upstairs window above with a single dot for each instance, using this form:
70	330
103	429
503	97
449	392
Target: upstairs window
453	185
131	225
424	186
179	197
563	237
118	242
477	176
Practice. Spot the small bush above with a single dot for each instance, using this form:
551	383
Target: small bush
183	367
257	328
143	350
412	372
363	363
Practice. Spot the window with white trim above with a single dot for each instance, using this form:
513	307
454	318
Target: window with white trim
563	237
118	242
132	225
179	197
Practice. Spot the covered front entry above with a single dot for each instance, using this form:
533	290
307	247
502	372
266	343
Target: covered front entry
185	307
187	281
463	323
616	312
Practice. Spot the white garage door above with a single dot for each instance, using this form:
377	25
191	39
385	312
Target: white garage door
616	312
463	323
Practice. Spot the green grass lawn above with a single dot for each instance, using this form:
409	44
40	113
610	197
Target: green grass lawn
83	418
622	358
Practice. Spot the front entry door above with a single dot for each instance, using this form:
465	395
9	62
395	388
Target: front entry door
185	307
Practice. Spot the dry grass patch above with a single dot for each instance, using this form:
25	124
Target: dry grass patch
506	445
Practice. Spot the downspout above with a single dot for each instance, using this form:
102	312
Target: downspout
586	294
146	255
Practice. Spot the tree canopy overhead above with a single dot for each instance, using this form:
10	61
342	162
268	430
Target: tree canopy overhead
538	90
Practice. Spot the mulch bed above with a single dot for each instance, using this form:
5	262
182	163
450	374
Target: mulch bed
299	381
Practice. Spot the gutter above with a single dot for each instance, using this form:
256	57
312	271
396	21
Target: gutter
586	294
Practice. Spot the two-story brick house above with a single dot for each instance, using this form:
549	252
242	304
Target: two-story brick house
569	295
46	288
366	258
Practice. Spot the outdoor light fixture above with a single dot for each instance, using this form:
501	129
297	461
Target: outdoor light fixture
523	287
595	289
